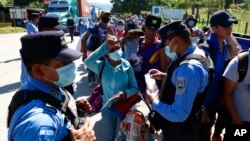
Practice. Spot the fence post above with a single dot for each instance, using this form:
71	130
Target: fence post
246	28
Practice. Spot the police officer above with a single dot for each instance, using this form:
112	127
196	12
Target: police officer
42	109
32	26
183	86
50	23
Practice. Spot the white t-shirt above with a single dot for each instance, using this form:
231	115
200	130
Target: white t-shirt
241	93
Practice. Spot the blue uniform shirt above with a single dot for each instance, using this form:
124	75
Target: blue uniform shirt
36	121
219	65
31	28
189	79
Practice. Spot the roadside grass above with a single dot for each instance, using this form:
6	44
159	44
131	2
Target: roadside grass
242	16
6	30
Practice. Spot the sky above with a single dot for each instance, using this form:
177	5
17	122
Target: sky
104	4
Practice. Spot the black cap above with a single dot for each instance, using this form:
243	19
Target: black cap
222	18
50	21
47	44
170	30
135	27
153	21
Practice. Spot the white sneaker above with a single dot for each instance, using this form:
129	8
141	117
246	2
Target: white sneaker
91	84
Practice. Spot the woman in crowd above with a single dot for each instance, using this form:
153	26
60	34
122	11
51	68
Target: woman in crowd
118	80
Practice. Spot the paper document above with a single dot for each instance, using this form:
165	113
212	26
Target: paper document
151	84
109	103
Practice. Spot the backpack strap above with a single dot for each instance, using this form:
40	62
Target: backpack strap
243	65
25	96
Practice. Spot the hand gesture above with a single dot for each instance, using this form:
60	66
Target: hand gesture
156	74
85	133
83	105
150	96
113	43
119	96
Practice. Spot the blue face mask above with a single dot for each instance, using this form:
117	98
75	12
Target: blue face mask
66	75
115	56
171	54
120	27
191	24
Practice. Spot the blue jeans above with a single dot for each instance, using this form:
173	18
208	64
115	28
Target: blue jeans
110	123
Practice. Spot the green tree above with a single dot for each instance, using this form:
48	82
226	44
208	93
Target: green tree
4	3
37	4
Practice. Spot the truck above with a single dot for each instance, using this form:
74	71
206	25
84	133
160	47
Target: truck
65	9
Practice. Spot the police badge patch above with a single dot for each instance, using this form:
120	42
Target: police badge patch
181	84
46	133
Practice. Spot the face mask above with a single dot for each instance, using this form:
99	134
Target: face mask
191	23
66	75
105	19
195	39
171	54
115	56
81	23
120	27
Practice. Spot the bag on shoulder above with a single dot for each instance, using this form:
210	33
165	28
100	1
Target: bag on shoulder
95	99
93	41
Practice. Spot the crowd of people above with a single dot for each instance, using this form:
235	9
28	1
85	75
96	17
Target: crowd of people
202	76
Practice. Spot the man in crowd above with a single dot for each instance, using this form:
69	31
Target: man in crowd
42	109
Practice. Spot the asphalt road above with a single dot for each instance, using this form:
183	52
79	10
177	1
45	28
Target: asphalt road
10	70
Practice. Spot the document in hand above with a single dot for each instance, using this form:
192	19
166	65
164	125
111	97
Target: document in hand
151	84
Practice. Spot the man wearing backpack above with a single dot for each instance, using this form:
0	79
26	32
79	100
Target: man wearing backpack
221	24
42	109
184	86
236	94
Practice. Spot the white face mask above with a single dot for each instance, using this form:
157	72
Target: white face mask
66	75
195	39
120	27
171	54
115	56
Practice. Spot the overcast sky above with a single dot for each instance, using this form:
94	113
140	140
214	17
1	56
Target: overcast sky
103	4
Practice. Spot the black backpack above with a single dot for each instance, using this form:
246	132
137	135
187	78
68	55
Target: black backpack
94	39
242	57
22	97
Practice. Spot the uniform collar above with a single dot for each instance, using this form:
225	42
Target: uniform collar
35	84
189	50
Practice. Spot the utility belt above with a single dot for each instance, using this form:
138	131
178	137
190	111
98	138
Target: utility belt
189	126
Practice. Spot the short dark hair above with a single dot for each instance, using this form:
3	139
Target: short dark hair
29	62
185	35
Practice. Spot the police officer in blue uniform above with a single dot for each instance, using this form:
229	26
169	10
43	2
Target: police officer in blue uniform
50	65
32	26
178	104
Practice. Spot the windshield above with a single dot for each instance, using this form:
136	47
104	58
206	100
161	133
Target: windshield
58	9
59	2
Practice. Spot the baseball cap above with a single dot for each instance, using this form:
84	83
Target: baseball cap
153	21
170	30
133	26
50	21
105	12
47	44
222	18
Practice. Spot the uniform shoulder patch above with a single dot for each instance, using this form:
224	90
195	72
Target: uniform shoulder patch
47	133
181	84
